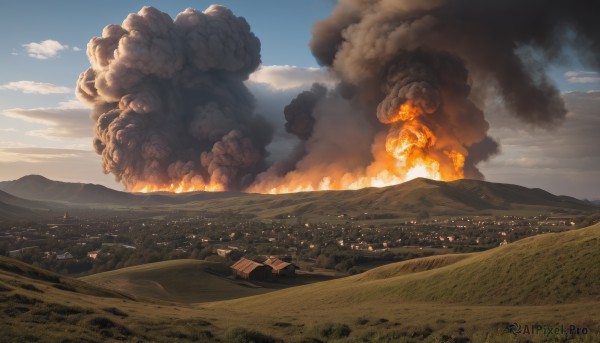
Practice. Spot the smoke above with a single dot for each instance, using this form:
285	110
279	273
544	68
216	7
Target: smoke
432	54
298	114
169	100
171	107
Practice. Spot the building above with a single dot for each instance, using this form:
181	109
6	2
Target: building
250	270
23	251
233	254
280	267
93	254
65	256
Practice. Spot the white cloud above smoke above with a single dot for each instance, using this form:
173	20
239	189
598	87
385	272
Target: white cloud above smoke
32	87
284	77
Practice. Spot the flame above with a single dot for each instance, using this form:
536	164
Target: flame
179	187
409	150
406	112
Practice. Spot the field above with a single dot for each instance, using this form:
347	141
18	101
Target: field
186	281
550	280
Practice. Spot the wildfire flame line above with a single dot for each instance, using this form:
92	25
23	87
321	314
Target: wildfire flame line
408	155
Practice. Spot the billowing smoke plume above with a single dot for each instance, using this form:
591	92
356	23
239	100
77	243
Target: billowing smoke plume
299	113
416	67
170	104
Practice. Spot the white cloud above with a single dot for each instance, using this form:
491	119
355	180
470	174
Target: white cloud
8	129
32	87
283	77
582	76
76	48
45	49
38	154
69	119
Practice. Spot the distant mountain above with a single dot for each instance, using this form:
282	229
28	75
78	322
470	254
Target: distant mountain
37	187
406	199
8	211
12	207
12	200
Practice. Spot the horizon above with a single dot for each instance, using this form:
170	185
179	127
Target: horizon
45	129
244	192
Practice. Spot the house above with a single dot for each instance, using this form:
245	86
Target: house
280	267
93	254
233	254
23	251
250	270
65	256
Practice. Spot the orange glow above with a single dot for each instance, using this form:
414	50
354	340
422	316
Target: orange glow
406	112
181	187
409	150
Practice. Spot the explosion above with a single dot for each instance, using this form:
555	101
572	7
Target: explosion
172	111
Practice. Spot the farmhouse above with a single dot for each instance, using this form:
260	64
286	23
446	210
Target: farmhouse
93	254
250	270
281	267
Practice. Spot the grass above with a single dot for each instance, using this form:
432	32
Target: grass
550	280
183	281
438	198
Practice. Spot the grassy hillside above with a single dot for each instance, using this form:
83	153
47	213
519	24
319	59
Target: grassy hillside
547	269
461	197
185	281
550	280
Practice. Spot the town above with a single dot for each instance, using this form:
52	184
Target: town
77	246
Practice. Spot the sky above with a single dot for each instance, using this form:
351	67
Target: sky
45	130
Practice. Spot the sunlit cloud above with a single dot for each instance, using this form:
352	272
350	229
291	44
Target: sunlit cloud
45	49
582	76
38	154
69	119
283	77
32	87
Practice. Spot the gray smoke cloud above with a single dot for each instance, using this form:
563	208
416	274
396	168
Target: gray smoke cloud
298	114
169	100
442	55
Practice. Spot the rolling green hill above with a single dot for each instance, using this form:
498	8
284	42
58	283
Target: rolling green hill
551	280
461	197
184	281
546	269
406	200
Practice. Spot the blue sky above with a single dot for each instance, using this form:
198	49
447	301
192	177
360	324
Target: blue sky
29	143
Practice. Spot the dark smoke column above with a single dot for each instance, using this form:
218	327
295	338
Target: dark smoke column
434	54
169	103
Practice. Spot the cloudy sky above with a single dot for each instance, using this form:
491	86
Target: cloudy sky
45	130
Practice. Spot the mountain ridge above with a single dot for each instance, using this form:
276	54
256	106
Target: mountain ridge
429	197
